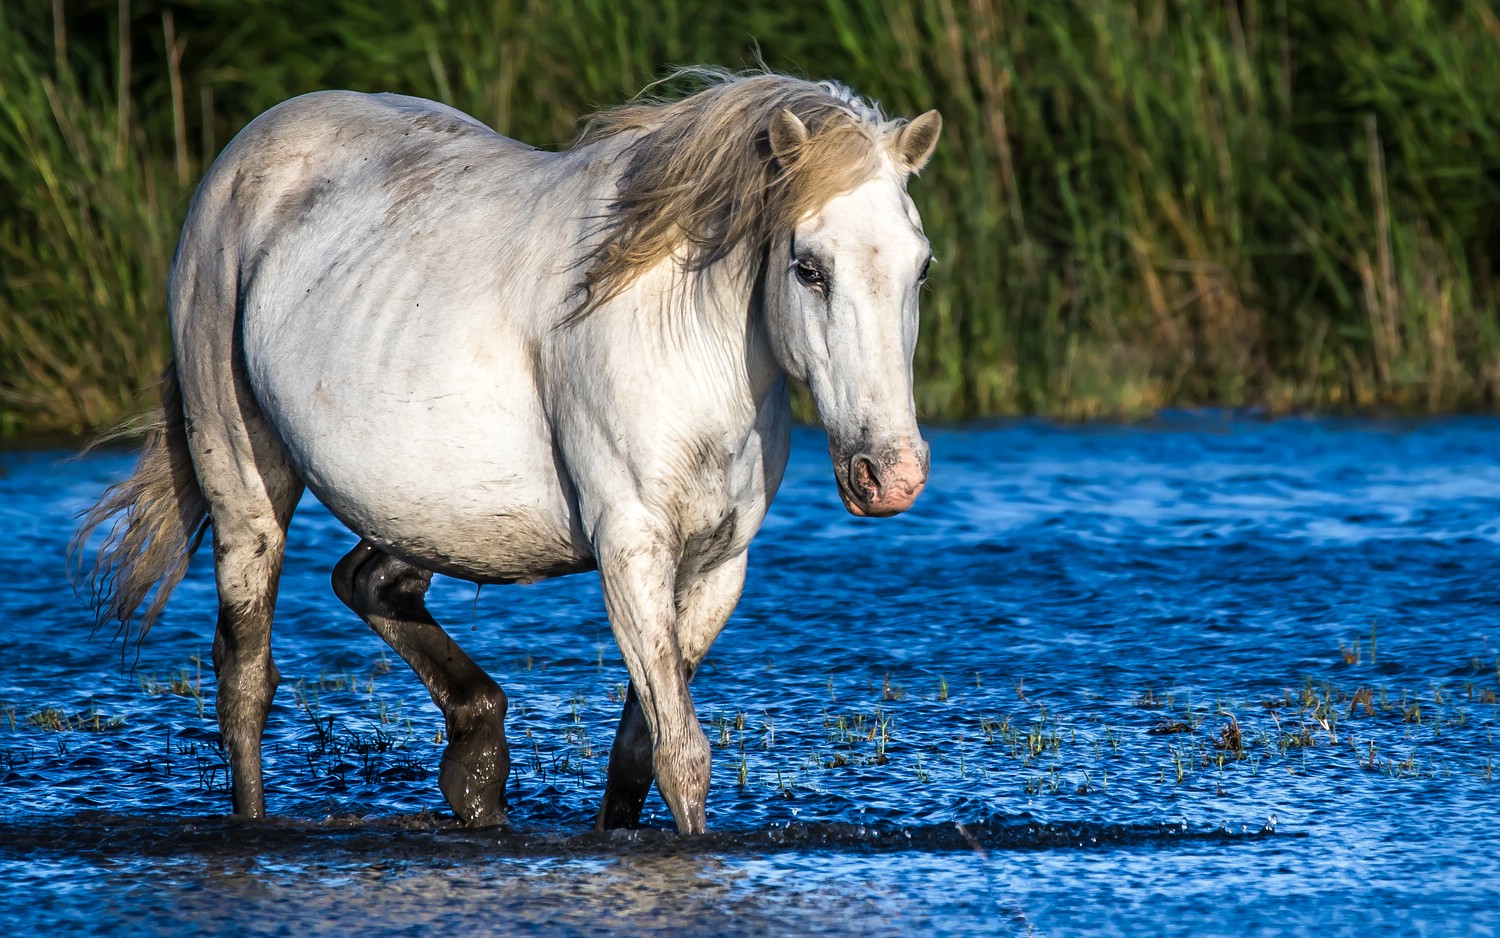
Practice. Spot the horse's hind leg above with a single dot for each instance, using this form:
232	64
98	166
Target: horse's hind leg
388	594
247	561
251	491
244	474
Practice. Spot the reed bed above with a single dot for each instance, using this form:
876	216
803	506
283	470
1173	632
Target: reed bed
1136	204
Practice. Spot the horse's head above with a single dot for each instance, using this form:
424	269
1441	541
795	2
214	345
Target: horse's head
842	293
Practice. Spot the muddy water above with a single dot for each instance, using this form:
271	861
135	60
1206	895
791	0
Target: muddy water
1202	676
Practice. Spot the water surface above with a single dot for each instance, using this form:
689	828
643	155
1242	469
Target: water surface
1201	676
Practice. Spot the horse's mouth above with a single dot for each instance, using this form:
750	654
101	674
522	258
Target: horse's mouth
850	502
862	506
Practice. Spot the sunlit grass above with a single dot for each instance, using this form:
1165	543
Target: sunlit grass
55	720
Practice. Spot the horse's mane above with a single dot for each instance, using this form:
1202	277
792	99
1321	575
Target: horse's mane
701	178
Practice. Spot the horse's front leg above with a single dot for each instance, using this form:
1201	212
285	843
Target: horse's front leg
703	606
637	564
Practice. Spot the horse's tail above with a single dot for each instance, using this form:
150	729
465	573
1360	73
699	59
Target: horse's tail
156	517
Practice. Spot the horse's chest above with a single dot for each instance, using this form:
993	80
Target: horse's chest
721	510
709	547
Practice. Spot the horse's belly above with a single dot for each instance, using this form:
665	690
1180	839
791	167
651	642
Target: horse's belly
497	519
515	544
480	511
447	463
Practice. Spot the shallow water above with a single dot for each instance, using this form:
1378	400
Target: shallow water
1013	710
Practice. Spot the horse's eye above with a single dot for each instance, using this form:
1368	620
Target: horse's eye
922	274
810	274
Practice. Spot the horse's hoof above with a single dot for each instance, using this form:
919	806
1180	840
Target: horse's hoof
477	798
614	814
494	818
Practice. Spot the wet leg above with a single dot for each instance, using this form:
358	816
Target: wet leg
252	492
247	567
702	609
388	594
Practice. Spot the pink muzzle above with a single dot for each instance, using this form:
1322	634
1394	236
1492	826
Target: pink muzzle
883	484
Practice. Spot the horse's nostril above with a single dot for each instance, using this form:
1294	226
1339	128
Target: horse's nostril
863	477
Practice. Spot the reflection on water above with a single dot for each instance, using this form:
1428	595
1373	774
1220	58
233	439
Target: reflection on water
279	878
1161	678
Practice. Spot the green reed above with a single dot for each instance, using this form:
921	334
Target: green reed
1135	204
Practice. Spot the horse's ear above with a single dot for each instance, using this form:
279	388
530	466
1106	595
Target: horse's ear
788	136
918	139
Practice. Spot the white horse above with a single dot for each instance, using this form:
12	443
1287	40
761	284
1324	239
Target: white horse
505	364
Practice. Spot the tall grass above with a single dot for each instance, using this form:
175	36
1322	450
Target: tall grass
87	208
1135	204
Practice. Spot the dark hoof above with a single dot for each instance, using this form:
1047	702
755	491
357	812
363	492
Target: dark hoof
624	797
472	778
613	815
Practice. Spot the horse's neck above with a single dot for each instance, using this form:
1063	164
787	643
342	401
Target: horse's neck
691	343
704	330
727	308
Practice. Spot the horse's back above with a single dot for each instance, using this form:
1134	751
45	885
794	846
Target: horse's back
388	285
327	157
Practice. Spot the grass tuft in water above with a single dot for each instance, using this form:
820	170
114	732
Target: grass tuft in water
55	720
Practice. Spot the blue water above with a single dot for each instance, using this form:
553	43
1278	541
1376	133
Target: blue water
1100	680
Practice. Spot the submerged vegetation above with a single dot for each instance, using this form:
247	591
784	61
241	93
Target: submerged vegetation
1135	204
352	743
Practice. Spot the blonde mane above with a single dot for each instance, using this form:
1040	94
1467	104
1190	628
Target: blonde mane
701	178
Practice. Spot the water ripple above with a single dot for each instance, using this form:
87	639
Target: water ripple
1140	641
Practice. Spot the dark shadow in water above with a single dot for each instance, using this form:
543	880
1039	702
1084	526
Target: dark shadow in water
426	836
